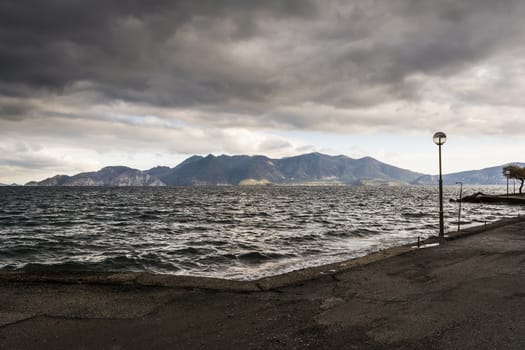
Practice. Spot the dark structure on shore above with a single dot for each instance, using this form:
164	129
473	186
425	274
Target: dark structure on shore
480	197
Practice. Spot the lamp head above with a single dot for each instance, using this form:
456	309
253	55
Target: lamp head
439	138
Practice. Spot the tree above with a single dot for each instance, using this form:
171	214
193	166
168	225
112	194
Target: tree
515	172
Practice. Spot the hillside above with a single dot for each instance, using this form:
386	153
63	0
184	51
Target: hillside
306	168
116	176
486	176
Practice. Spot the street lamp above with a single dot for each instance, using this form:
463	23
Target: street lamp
507	175
439	139
460	194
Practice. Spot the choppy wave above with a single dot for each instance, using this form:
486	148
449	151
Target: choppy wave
229	232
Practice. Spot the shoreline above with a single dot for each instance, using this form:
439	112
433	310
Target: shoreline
219	284
466	293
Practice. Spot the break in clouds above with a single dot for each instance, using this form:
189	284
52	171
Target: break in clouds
199	76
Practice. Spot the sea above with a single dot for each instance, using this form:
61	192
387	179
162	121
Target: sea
239	233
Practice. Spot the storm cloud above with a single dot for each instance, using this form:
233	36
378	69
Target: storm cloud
205	67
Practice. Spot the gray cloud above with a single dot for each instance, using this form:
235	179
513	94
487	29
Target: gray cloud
14	109
127	48
136	72
180	53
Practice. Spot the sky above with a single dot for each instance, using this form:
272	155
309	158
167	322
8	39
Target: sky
87	84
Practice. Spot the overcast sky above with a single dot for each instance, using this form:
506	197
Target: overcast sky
85	84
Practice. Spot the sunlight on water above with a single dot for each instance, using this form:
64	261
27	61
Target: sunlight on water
229	232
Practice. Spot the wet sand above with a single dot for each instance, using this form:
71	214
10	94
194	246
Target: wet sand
466	293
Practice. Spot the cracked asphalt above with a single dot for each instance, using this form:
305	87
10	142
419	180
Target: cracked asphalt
467	293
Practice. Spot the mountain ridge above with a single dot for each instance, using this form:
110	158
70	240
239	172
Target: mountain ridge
311	168
107	176
486	176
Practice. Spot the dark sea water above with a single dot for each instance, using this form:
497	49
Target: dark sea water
228	232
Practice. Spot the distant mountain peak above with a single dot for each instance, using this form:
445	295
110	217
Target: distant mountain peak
486	176
107	176
305	168
314	154
367	158
314	167
115	168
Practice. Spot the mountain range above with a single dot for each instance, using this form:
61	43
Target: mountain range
307	169
488	176
108	176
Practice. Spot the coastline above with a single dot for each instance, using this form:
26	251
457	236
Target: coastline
259	238
466	293
220	284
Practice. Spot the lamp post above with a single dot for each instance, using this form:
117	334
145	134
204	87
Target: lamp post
507	175
439	139
460	194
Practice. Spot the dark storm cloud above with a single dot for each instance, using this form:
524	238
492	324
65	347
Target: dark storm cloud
120	45
87	83
382	45
246	63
